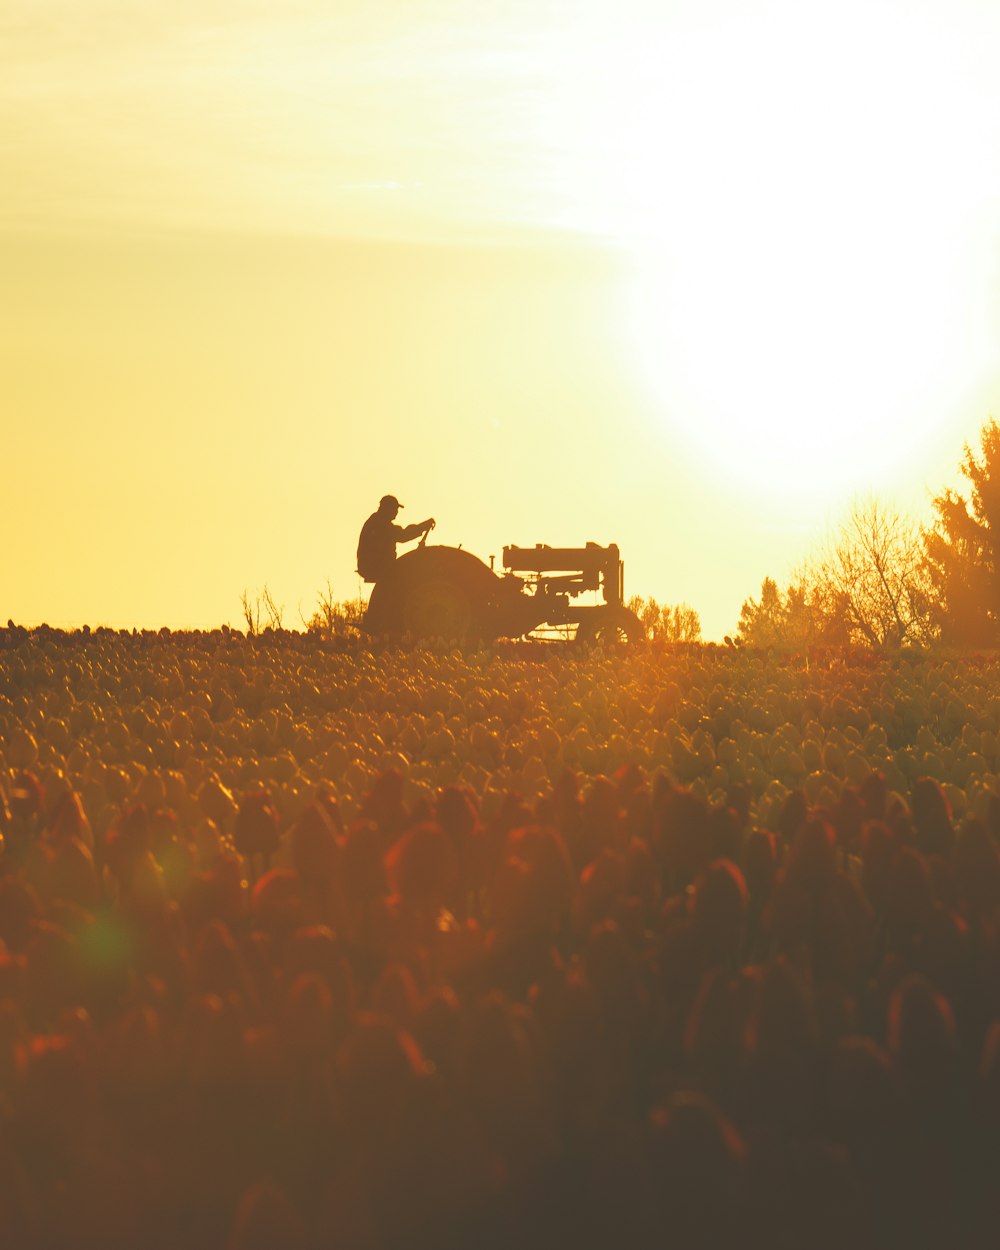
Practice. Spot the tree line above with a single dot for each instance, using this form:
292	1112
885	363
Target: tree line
887	582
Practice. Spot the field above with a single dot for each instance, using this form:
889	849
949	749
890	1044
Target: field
122	716
311	944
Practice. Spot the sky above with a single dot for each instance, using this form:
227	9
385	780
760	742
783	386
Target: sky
688	277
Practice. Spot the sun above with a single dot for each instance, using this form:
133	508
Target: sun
806	196
813	368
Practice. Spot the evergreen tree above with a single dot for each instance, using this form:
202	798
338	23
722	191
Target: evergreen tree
763	624
961	550
802	616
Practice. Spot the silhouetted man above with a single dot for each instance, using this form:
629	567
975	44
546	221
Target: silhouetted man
379	536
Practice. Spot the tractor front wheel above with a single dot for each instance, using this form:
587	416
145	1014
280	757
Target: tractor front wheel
614	625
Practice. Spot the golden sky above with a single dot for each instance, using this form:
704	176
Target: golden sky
686	276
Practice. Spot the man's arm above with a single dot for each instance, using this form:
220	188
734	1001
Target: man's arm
403	533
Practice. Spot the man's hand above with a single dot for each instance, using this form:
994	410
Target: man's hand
429	525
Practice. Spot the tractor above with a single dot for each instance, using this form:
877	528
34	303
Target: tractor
446	592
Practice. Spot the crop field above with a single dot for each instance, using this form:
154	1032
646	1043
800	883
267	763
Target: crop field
304	943
190	721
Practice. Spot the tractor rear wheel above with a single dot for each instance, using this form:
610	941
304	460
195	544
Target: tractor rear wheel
435	592
614	625
437	609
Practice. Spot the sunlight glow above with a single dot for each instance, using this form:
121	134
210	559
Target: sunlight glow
806	199
686	275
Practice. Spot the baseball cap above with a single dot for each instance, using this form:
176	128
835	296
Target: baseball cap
389	499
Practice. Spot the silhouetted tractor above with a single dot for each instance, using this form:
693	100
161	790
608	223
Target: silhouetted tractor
445	592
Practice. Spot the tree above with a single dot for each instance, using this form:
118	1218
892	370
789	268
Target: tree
797	618
679	623
873	583
808	622
870	587
962	549
666	623
763	624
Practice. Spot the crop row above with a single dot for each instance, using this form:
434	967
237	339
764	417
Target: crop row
189	721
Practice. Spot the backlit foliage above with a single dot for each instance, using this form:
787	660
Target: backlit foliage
869	588
664	622
873	582
335	618
962	554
